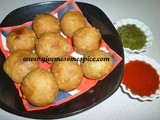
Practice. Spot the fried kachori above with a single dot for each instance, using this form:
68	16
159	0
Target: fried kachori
71	21
45	22
39	87
52	45
96	64
15	66
68	73
86	39
21	39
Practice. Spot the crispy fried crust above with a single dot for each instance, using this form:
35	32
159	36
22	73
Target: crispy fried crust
52	45
72	21
39	87
16	68
45	22
86	39
96	69
21	39
67	73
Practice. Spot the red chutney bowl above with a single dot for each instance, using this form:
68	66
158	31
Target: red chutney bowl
141	78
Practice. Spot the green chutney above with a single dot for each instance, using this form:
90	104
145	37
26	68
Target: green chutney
132	37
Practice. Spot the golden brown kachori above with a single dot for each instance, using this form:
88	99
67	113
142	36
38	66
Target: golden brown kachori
39	87
97	64
45	22
68	73
71	21
52	45
16	68
22	38
86	39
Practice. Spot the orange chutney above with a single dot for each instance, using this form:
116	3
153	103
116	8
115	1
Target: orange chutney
141	78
